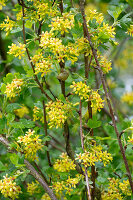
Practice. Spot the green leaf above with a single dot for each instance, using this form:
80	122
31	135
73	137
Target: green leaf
62	98
3	88
115	12
8	78
18	29
93	123
23	123
12	106
10	117
28	24
14	158
2	167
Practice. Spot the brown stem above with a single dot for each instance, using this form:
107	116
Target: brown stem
33	68
107	95
46	133
82	144
33	171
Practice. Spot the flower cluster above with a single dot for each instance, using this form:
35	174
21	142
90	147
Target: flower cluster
130	30
57	112
17	51
64	164
2	3
88	94
8	187
43	67
115	189
67	185
14	88
83	46
127	98
38	114
105	64
45	197
130	139
33	187
21	111
29	144
101	32
7	25
96	154
63	23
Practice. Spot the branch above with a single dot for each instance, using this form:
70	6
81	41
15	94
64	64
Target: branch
33	68
46	132
82	144
33	171
106	94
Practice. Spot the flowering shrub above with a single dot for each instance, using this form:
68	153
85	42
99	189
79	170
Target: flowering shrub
66	129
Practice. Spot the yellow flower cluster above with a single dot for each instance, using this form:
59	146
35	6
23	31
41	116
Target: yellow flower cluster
8	187
14	88
33	187
59	51
102	30
7	25
105	64
127	98
17	51
63	23
45	197
57	112
29	144
88	94
21	111
93	14
130	139
38	114
130	30
115	188
2	3
65	164
43	67
83	46
96	154
67	185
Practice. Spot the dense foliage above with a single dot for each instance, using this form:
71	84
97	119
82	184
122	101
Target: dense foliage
66	128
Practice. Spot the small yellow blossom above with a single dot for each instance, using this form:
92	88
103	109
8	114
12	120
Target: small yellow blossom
30	144
96	154
7	25
44	67
130	139
127	98
62	23
84	91
105	64
14	88
57	112
45	197
17	51
33	187
64	164
38	114
8	187
2	3
125	187
130	30
21	111
93	14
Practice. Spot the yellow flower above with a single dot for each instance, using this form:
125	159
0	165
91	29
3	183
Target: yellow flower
38	114
65	164
21	111
14	88
57	112
63	23
30	144
2	3
44	67
130	30
105	64
17	51
127	98
45	197
33	187
8	187
7	25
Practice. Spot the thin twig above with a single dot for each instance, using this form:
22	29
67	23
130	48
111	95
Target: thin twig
82	144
